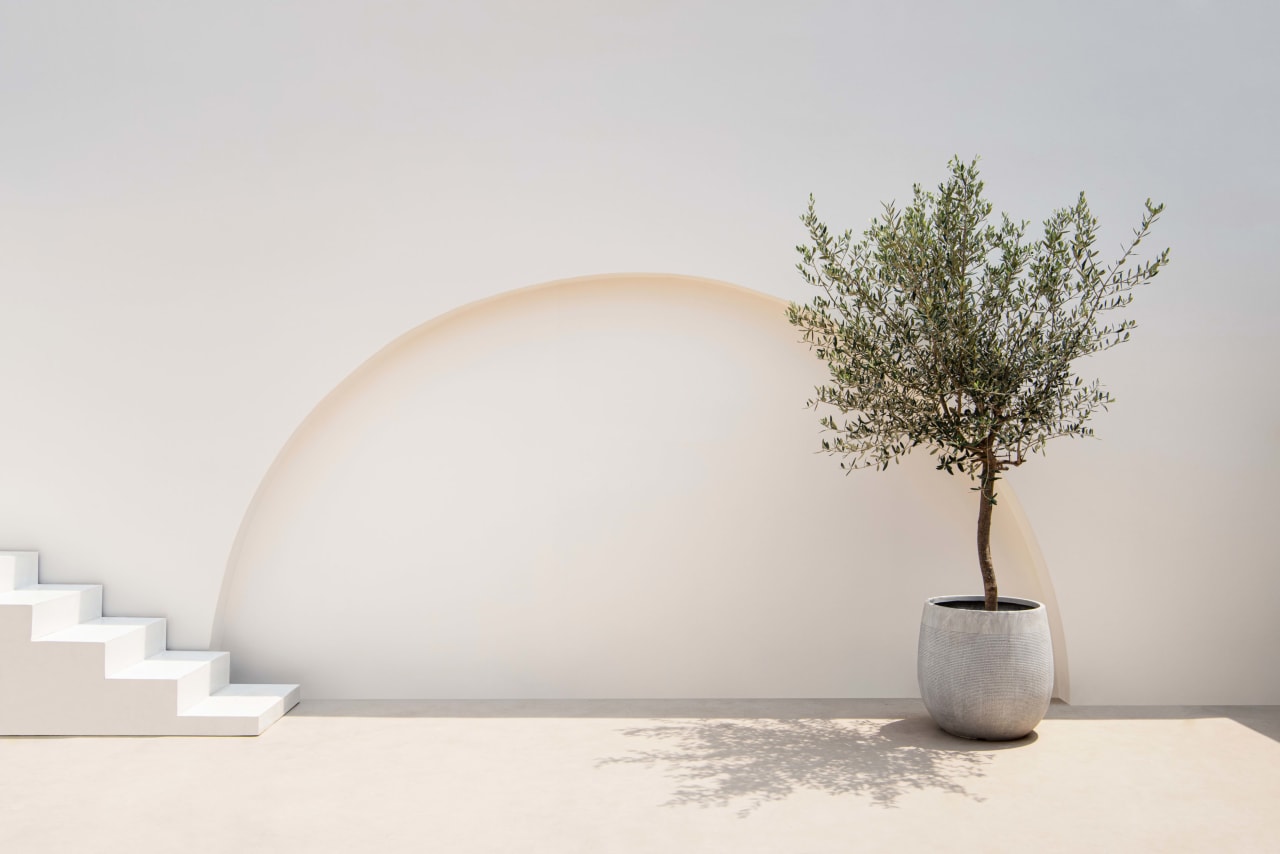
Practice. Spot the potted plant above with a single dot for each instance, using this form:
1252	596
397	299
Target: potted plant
946	329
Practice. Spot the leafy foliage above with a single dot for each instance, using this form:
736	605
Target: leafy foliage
944	328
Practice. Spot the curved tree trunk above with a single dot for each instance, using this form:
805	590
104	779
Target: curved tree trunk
986	503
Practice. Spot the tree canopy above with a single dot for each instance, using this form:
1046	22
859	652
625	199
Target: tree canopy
945	329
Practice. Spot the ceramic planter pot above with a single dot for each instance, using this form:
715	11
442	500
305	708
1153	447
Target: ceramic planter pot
985	674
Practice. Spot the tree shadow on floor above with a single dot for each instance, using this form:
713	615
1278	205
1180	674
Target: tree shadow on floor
748	763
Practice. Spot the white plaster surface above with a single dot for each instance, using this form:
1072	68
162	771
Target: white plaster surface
211	214
608	487
821	777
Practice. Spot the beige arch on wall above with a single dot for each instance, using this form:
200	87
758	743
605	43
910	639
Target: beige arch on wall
597	487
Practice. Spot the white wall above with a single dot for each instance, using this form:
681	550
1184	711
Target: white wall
210	214
606	487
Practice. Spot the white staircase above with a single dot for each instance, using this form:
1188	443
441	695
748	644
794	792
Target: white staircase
67	670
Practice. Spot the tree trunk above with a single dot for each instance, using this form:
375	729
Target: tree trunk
985	506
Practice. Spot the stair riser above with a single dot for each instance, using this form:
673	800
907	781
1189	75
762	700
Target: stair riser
31	621
73	608
186	691
18	569
120	652
198	686
157	639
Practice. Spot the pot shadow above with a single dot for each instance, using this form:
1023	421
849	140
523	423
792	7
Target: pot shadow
749	763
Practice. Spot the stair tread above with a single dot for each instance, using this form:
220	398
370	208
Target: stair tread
171	664
249	701
41	593
101	629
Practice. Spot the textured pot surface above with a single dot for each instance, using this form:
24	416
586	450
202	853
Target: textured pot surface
985	674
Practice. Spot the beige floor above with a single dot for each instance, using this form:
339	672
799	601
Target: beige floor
785	777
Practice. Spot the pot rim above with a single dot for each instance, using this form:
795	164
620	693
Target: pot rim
1032	604
1032	618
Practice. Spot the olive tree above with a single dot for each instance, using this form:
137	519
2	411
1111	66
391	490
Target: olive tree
945	328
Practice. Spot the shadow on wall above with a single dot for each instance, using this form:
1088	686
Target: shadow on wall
603	487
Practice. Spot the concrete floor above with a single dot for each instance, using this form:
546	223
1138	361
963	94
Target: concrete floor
733	776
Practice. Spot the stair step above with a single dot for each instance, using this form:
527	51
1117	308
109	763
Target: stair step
56	606
196	674
18	569
125	640
73	671
256	706
170	664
